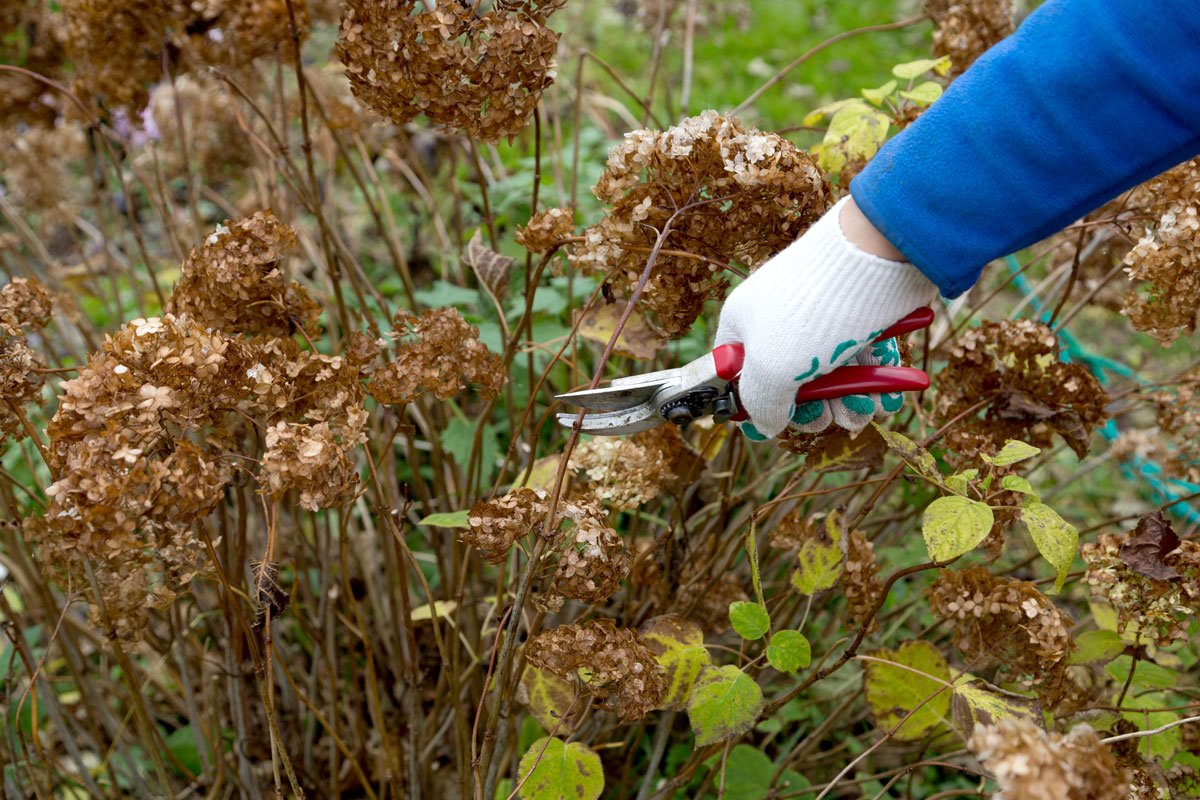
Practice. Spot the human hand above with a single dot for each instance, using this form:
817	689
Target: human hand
816	306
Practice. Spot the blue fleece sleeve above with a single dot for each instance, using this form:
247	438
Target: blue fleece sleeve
1085	100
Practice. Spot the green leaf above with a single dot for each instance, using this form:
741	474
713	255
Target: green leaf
1094	647
449	519
725	703
915	69
551	769
820	559
459	437
955	525
1148	675
877	96
749	619
182	744
678	645
1056	539
748	775
855	131
894	691
978	702
752	557
923	93
1015	483
789	651
1012	452
1160	745
443	293
959	481
913	454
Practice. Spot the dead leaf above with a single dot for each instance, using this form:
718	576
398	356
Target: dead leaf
637	340
489	267
843	451
1144	551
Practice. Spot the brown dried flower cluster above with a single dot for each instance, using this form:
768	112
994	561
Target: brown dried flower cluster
479	73
31	36
24	304
860	578
1167	258
1031	764
749	194
965	29
1001	619
442	356
1179	416
212	138
546	229
496	524
36	169
1032	394
117	46
629	472
594	557
235	281
1150	577
617	665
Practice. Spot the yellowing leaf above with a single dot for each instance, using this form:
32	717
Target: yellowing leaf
820	561
923	93
877	96
818	114
955	525
894	691
978	702
549	699
915	69
959	481
1012	452
1056	539
678	645
551	769
749	619
913	454
1095	647
855	131
542	476
725	702
425	612
637	339
789	651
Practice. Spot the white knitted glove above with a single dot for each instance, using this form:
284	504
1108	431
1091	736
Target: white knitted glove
815	307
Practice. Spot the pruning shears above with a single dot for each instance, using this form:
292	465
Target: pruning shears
709	386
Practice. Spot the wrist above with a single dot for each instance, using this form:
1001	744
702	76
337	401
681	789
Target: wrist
859	231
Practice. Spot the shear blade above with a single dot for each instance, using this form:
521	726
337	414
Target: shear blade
615	423
612	398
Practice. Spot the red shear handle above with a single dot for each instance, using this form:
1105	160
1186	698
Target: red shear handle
729	357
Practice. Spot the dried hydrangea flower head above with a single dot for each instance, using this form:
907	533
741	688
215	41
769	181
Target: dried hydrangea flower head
1002	619
1149	576
216	144
620	669
481	73
117	46
440	353
36	169
1167	258
594	558
860	578
24	303
1033	394
1179	416
546	229
235	281
759	193
496	524
32	35
1031	764
627	472
21	382
965	29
